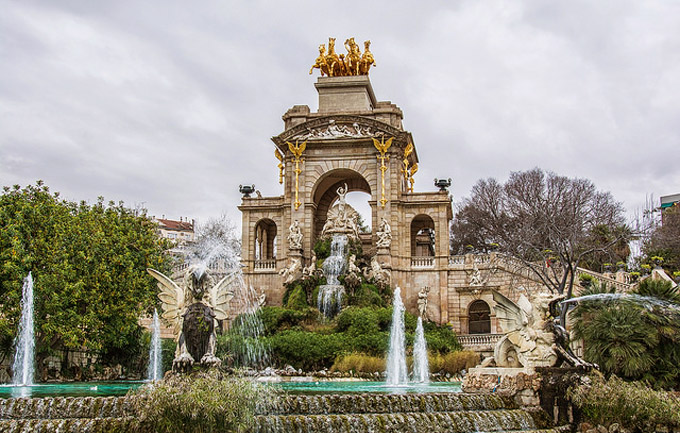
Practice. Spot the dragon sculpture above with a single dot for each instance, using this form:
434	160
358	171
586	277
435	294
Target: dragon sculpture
529	340
192	311
536	334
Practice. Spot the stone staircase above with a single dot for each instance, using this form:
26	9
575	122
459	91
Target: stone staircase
336	413
431	413
66	414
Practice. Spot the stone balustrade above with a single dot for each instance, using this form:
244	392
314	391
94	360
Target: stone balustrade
479	340
422	262
265	265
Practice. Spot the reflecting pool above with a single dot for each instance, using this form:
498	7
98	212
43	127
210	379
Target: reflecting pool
70	389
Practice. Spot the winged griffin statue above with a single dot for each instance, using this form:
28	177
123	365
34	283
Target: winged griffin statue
192	311
529	339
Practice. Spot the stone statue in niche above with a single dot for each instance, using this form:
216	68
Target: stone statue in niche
422	302
384	234
375	273
192	310
295	236
529	341
341	218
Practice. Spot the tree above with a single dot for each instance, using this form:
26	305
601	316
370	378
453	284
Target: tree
88	264
216	240
550	223
664	239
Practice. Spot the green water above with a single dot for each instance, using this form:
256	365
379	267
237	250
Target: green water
332	387
105	389
70	389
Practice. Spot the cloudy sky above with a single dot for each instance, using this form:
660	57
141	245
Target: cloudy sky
171	104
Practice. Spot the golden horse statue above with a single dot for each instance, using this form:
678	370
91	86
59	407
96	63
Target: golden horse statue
367	59
320	62
334	62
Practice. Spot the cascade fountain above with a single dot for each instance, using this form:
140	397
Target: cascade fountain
397	373
421	367
330	294
23	368
155	368
248	349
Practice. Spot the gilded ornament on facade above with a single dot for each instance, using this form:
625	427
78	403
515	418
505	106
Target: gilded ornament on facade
382	147
279	156
414	169
342	65
297	149
408	151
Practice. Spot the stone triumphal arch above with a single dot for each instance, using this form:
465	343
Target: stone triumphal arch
354	142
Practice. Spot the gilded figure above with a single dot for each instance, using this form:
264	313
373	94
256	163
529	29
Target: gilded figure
321	64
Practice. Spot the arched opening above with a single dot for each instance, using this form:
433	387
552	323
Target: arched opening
422	236
359	201
479	318
265	244
325	195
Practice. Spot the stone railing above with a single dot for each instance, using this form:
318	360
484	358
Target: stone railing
265	265
456	260
218	267
422	262
477	340
620	286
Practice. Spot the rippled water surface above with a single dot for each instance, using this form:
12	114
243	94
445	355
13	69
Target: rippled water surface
72	389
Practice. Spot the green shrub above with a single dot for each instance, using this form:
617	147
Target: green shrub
633	405
359	363
306	350
207	403
366	295
357	320
322	249
297	299
633	340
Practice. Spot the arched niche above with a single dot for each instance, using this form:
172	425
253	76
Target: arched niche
422	236
325	193
265	240
479	317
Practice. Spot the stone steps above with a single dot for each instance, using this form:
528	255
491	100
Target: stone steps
65	407
388	403
67	425
502	420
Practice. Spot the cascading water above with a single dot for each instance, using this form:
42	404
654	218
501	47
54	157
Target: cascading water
329	300
421	367
397	373
23	368
154	371
245	344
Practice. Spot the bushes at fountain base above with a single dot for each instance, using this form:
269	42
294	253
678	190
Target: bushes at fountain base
454	362
359	363
300	339
451	363
205	403
632	405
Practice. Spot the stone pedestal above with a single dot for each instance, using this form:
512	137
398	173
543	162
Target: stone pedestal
345	94
384	258
523	384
